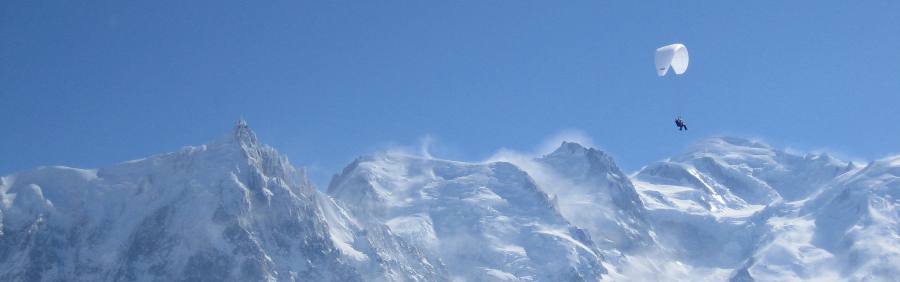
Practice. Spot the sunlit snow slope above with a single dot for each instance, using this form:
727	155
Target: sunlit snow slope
231	210
236	210
770	215
487	222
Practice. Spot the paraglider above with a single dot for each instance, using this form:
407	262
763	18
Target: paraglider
680	123
675	57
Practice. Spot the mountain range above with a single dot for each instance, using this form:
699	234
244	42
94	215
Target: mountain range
234	209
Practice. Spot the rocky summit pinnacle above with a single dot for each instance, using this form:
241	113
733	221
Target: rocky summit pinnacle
243	133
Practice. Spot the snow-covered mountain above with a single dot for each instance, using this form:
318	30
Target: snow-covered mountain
594	194
739	207
848	231
487	222
231	210
236	210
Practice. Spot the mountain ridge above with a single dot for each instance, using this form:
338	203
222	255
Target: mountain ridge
235	209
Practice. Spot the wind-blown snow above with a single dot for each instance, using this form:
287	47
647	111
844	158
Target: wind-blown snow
236	210
231	210
485	221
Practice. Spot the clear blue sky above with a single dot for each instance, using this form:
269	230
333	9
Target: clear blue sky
91	83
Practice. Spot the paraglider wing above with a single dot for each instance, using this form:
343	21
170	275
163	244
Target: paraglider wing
674	56
664	57
680	60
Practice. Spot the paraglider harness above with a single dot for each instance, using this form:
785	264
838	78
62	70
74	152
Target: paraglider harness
680	123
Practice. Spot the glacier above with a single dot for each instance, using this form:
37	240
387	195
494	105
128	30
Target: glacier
234	209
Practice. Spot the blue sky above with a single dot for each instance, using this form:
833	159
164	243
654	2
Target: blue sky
92	83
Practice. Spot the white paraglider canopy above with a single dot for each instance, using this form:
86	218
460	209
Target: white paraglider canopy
674	56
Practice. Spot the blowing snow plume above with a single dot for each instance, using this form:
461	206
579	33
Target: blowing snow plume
236	210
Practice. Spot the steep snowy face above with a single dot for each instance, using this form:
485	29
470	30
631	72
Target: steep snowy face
231	210
487	222
594	194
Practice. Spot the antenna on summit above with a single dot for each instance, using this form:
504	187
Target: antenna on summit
243	133
241	123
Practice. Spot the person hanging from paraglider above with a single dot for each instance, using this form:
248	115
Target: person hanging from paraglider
675	57
680	123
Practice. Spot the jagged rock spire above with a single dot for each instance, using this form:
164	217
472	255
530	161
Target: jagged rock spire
243	133
241	122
